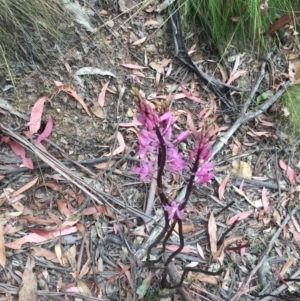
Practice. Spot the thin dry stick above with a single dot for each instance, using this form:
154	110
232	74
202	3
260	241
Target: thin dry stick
96	195
247	117
142	251
263	257
81	253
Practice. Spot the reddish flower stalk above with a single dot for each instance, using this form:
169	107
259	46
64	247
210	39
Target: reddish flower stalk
155	144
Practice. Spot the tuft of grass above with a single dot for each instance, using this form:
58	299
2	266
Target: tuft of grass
25	23
290	99
242	22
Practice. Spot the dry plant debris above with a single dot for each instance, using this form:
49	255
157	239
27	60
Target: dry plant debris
77	223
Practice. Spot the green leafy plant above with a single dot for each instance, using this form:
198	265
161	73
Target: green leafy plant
263	96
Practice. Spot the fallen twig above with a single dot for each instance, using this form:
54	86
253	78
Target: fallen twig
247	182
96	195
245	117
82	162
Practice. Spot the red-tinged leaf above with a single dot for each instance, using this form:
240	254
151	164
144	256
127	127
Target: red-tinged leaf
3	112
264	122
116	228
62	208
257	133
191	124
202	112
238	217
2	246
41	232
241	185
265	201
289	172
66	231
122	145
70	91
235	76
282	21
36	115
132	66
174	248
200	251
281	278
32	238
101	97
20	151
243	251
278	251
222	186
138	73
47	131
139	231
212	231
190	96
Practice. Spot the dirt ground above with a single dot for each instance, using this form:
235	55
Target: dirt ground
80	232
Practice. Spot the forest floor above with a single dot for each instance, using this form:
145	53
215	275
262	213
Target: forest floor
80	229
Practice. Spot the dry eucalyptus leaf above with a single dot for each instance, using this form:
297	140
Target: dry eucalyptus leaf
122	6
28	288
212	231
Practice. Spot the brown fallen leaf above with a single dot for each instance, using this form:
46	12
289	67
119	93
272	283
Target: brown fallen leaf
212	231
62	208
25	187
159	71
282	21
219	255
97	110
287	265
206	278
186	228
70	91
28	288
222	186
41	252
226	280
